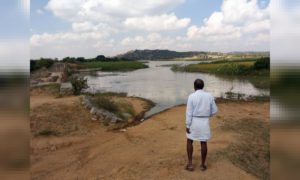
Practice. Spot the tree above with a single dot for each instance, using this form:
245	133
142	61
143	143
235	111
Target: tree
100	58
263	63
78	83
80	59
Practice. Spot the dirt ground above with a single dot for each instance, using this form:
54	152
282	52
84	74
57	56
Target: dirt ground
154	149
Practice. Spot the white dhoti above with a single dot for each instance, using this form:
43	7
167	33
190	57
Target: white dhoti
199	129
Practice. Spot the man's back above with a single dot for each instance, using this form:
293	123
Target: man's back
201	104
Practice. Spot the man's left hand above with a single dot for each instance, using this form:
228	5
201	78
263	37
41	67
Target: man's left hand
187	130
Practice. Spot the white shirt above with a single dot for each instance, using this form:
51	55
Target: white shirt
200	104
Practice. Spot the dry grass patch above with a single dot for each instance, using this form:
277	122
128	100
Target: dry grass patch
251	152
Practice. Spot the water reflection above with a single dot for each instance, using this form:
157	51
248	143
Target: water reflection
165	87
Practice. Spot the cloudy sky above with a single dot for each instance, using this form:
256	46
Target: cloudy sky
88	28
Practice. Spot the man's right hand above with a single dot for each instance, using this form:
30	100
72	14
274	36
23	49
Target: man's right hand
187	130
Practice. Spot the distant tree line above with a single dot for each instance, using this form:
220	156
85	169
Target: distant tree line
98	58
42	62
36	64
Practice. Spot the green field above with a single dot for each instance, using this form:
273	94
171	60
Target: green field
257	71
114	65
237	67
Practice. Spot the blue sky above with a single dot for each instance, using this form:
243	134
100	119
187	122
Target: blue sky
62	28
14	23
14	35
45	22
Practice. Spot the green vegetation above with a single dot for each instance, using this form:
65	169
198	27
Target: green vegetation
256	71
163	54
260	80
78	83
41	63
106	103
47	132
242	97
263	63
52	88
98	63
117	106
238	67
252	152
115	94
115	65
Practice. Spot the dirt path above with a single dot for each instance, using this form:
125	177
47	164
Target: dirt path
154	149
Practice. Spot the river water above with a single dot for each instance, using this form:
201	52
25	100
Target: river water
166	88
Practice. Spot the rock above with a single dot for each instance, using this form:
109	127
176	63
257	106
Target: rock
66	88
94	118
126	115
120	120
53	148
99	113
123	130
93	110
88	105
113	120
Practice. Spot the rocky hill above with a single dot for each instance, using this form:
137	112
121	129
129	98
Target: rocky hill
156	54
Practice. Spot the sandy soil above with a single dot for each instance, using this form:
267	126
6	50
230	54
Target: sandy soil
154	149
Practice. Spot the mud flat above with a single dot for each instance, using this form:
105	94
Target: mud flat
153	149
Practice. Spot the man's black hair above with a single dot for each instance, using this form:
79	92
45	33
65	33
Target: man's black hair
198	84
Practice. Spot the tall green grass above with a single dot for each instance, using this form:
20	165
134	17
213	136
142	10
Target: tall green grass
116	106
238	67
115	65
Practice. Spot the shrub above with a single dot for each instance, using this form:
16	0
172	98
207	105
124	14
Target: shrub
78	83
232	69
118	107
38	64
106	103
115	65
47	132
263	63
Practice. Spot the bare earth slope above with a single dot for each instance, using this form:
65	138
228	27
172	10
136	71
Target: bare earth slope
154	149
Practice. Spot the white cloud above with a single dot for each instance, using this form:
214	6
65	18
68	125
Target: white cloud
9	59
237	19
62	38
96	20
285	37
90	27
116	26
154	41
257	26
239	11
214	29
72	9
78	44
94	14
162	22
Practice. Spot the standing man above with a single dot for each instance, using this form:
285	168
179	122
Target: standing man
200	106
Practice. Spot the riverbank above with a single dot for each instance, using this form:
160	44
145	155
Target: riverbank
128	111
112	65
151	150
255	71
225	67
